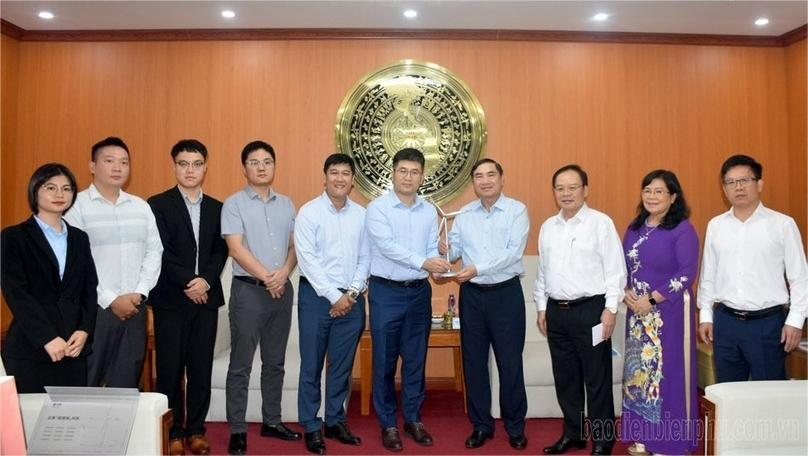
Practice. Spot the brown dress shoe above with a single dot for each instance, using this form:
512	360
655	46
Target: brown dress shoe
198	444
390	439
175	446
418	433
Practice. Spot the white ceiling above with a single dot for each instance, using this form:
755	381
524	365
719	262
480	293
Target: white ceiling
726	17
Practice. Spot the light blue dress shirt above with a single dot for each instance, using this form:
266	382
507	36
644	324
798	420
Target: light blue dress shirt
401	237
195	212
332	246
266	226
493	241
57	242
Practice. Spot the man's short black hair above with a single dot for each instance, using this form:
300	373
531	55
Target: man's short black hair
189	145
572	167
107	142
483	161
252	147
41	176
742	160
339	159
409	154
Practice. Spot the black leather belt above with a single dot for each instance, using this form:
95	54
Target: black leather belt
305	280
250	280
398	283
495	286
568	304
750	314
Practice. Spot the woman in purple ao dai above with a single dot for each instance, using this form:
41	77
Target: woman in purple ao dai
660	405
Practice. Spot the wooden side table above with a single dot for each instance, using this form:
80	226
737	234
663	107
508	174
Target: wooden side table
438	338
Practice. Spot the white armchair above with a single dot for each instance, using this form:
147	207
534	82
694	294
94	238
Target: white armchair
761	417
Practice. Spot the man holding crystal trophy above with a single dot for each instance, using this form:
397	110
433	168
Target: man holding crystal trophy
489	236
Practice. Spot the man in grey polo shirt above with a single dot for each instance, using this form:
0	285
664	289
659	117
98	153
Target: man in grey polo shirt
258	226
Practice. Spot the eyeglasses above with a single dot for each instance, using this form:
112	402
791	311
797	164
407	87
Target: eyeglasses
253	163
404	172
568	188
655	192
53	189
743	182
197	165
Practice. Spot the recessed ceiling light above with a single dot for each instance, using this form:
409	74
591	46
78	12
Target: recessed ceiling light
45	15
761	21
410	14
600	17
228	14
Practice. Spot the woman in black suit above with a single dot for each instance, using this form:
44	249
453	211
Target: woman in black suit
49	283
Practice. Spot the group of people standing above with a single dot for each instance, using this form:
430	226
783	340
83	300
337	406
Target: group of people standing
77	273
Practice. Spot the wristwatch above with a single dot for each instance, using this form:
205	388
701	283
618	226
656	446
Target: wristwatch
651	300
352	292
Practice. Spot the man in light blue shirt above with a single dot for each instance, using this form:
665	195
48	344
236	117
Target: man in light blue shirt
334	259
403	231
490	235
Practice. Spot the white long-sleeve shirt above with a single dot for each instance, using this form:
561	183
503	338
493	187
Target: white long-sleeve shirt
580	257
124	241
333	250
752	265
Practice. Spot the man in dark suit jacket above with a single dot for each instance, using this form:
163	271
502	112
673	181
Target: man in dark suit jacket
187	296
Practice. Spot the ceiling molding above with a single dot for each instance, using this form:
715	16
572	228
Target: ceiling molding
798	34
9	29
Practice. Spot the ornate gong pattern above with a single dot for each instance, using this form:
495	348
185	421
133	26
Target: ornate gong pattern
412	104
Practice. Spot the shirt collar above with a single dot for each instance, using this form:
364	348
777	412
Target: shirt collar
92	190
579	217
759	211
398	203
499	204
252	194
188	200
330	204
49	229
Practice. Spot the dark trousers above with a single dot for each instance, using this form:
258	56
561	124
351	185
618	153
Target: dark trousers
744	349
184	340
32	376
322	336
400	319
578	366
119	347
494	317
256	318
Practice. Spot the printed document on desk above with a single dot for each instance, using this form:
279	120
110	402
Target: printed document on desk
85	421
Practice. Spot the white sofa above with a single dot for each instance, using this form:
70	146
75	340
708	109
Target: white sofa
539	384
221	359
763	417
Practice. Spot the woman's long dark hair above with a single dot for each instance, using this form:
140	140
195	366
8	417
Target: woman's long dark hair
678	211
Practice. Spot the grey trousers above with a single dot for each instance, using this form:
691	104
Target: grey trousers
119	347
256	318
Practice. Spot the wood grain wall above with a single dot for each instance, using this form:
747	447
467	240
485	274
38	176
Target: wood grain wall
619	110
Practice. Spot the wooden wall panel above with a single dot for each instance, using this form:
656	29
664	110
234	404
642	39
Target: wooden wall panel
797	122
9	56
620	110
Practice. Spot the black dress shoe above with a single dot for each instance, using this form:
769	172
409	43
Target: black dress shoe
279	431
564	444
418	433
314	442
341	432
518	442
390	439
238	443
478	438
601	449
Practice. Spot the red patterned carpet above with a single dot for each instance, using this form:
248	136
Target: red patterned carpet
443	416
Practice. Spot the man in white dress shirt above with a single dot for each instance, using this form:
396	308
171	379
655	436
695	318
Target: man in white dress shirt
752	268
127	252
581	278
